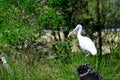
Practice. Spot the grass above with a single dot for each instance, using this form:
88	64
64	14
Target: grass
59	69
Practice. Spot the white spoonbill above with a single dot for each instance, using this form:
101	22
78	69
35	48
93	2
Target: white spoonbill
85	43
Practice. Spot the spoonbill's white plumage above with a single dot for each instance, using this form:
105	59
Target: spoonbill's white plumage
85	42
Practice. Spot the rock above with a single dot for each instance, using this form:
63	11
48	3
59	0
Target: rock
86	72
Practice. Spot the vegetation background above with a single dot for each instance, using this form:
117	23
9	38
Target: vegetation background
22	23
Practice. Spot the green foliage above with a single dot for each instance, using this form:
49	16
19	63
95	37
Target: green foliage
15	34
64	8
49	18
13	26
63	50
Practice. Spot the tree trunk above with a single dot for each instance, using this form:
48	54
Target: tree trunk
99	29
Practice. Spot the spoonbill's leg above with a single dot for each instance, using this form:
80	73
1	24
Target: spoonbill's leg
86	57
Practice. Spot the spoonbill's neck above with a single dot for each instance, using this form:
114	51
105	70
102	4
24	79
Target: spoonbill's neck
79	32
